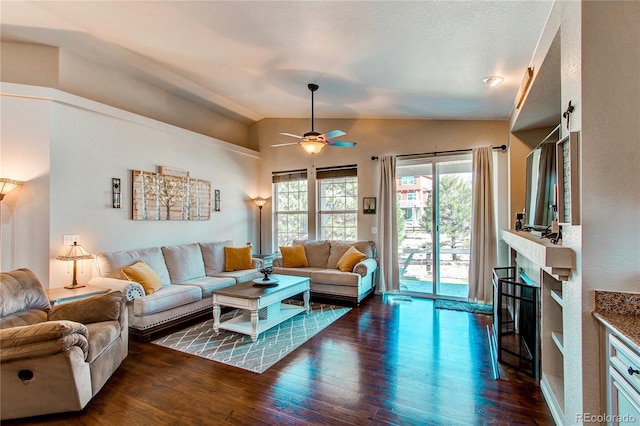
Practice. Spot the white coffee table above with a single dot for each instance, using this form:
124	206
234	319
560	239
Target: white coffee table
263	303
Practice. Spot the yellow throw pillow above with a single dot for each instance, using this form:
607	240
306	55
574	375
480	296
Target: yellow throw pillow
142	273
350	258
237	259
294	257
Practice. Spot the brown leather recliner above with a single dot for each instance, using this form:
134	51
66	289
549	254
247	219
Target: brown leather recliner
55	359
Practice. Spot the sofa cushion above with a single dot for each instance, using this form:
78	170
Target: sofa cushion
300	272
335	277
21	290
167	297
184	262
317	253
338	249
209	284
350	258
366	247
294	257
110	264
213	256
237	258
141	273
32	316
241	276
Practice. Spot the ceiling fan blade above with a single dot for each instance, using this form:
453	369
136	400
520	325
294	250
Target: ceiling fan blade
291	134
342	143
286	144
334	134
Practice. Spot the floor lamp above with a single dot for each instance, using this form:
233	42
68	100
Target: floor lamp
260	202
6	186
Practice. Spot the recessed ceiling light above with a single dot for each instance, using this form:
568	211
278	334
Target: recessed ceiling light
493	80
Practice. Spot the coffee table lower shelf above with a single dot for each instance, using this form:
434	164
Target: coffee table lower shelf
242	323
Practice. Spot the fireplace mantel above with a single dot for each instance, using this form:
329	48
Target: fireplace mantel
555	259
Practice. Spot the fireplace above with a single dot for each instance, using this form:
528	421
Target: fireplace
516	320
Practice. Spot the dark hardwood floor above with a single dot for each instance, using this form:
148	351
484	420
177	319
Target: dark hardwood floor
384	362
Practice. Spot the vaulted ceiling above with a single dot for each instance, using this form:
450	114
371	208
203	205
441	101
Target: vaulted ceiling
382	59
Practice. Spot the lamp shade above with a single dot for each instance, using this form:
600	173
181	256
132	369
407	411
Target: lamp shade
312	147
75	252
8	185
260	201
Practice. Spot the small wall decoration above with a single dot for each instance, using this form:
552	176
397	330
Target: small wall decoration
216	200
158	196
568	193
369	205
173	171
116	190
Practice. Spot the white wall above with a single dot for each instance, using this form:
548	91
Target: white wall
24	156
600	66
90	143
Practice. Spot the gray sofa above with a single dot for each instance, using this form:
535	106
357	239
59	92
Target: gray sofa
189	274
327	281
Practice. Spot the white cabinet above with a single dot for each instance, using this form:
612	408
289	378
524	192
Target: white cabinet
623	382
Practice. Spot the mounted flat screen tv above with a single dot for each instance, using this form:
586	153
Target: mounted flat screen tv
542	178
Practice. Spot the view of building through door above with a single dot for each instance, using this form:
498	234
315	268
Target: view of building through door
434	225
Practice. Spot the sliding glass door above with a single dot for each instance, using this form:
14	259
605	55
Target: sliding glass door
434	225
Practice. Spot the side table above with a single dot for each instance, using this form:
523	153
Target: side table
63	295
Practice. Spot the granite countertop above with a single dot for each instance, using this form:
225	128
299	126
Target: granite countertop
620	312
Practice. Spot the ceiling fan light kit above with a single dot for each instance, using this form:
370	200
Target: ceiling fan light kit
313	142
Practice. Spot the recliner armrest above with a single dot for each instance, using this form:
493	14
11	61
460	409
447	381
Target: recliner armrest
104	307
42	339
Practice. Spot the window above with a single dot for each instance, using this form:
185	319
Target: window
291	211
338	202
407	180
411	196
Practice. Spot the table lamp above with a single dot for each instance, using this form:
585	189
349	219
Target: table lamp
75	253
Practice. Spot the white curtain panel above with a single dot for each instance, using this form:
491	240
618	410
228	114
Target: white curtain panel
483	228
388	227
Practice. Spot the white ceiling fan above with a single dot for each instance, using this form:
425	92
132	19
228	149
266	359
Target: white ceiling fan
312	141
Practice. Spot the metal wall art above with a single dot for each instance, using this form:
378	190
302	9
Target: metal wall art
116	190
158	196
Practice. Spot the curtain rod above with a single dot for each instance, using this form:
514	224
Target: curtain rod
436	153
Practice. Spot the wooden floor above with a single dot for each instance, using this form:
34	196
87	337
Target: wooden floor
385	362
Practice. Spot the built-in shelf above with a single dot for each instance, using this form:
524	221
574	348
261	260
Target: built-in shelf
556	336
557	260
552	387
557	296
548	265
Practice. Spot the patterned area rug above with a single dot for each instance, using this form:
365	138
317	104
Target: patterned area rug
474	308
238	350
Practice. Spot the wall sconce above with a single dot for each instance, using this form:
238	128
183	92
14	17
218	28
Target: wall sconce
8	185
116	190
260	202
73	254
